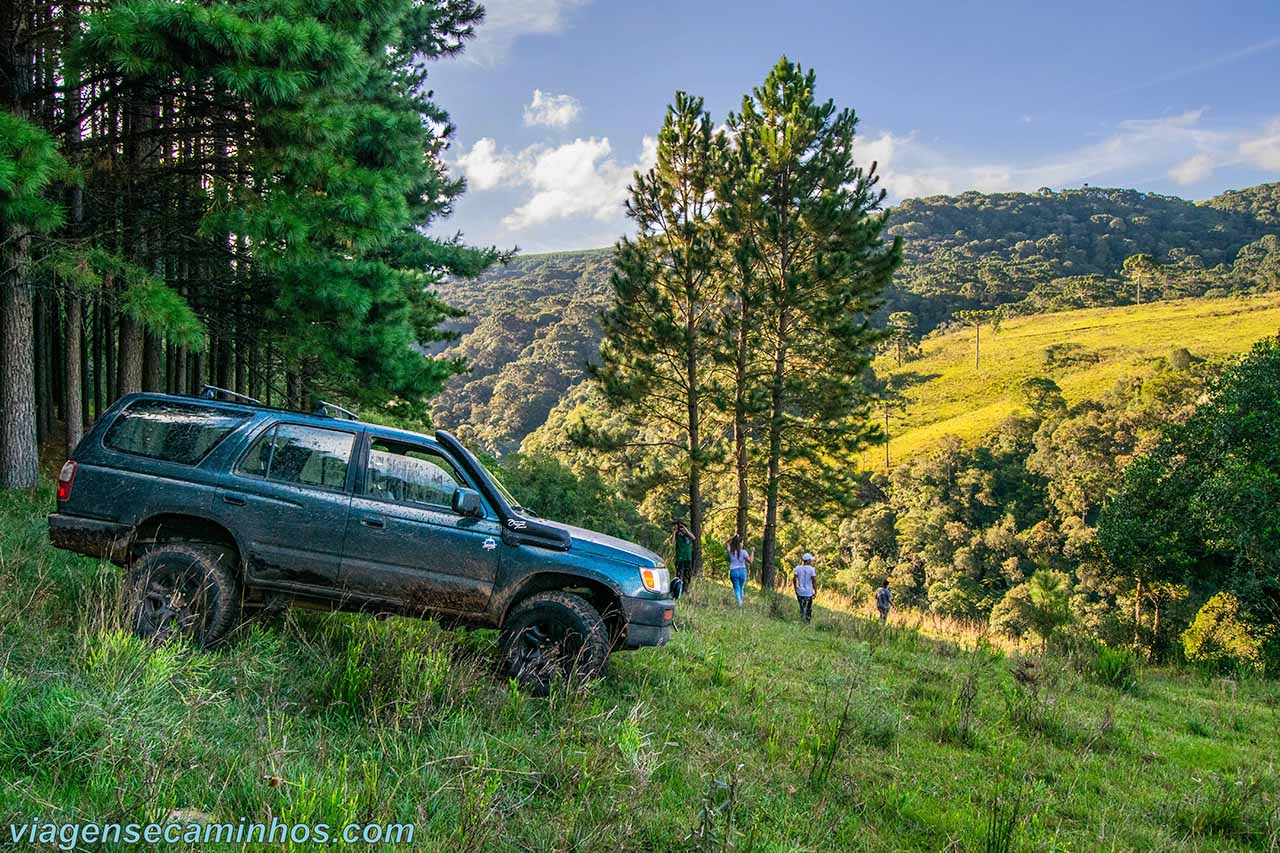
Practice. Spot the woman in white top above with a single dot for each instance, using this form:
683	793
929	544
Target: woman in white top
739	557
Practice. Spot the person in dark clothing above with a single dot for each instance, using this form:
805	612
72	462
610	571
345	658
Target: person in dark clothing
684	553
883	600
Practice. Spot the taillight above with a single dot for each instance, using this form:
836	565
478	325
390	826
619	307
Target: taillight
66	477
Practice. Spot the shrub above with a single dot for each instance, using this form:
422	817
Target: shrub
1224	638
1116	668
1010	616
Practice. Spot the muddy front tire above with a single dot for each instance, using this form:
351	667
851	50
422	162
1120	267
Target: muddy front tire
185	590
553	635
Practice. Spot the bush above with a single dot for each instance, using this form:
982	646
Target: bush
1224	638
1116	668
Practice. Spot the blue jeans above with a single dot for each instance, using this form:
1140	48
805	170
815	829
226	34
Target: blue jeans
739	578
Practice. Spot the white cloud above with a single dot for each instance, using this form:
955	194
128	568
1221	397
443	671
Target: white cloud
581	178
484	167
1263	150
507	20
578	178
552	110
1193	169
1180	146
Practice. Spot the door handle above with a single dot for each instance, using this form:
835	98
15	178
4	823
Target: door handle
234	500
373	521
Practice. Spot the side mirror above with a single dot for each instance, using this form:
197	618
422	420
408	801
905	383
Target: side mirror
677	588
467	502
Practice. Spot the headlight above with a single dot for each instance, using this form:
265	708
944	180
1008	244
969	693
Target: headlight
656	580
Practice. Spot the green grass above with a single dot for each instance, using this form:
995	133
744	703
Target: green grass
748	728
946	395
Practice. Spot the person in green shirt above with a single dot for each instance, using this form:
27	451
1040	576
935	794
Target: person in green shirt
684	552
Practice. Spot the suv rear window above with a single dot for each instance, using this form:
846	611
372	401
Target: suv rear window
171	431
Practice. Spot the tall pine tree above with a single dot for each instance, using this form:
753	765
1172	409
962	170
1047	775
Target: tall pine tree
661	332
815	224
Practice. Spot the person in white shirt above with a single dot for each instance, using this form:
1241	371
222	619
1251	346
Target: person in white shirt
739	557
804	580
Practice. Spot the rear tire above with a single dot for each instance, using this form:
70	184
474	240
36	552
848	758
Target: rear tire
550	635
182	589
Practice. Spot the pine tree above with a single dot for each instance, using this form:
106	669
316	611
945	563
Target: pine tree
661	332
29	165
814	220
741	341
257	178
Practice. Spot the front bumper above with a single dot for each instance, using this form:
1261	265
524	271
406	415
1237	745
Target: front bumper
89	536
648	621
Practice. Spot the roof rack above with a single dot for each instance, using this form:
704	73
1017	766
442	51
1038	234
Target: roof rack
327	410
211	392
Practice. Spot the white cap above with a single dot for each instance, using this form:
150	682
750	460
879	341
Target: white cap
806	558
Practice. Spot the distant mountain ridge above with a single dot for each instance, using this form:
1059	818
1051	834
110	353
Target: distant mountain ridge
533	326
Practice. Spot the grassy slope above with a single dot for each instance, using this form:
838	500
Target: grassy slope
951	397
336	718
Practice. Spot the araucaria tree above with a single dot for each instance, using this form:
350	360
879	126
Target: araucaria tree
903	340
815	222
661	330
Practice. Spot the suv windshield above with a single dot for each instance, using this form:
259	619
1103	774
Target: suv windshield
497	484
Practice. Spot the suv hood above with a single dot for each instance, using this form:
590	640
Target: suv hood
609	547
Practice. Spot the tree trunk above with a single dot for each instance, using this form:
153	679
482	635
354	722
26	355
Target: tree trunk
74	404
1155	622
695	441
255	368
109	377
129	360
151	368
768	557
84	366
53	324
19	463
977	344
740	421
226	370
98	364
73	427
242	383
170	361
1137	616
40	368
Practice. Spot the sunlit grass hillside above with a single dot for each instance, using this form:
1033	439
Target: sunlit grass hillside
749	731
1095	348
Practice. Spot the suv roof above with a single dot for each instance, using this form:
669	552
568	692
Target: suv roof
318	418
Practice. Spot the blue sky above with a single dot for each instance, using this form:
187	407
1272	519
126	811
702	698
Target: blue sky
557	101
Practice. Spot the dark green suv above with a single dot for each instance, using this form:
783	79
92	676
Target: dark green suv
221	507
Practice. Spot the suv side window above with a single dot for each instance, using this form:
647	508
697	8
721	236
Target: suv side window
410	475
302	455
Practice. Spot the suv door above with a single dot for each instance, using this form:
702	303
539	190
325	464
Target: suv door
287	499
406	545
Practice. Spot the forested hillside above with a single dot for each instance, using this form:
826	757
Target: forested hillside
529	330
531	325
